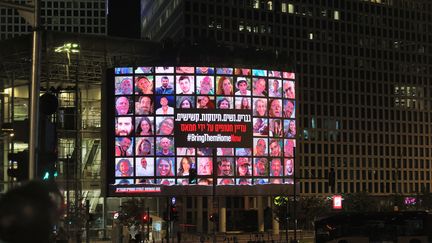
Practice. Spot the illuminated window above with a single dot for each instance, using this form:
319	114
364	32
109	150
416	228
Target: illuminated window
336	15
256	4
270	5
284	8
290	8
311	36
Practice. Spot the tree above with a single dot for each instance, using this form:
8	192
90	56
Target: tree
360	202
312	208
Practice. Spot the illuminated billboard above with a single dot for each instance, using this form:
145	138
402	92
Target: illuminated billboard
235	126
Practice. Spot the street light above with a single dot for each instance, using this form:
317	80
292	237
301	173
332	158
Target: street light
68	48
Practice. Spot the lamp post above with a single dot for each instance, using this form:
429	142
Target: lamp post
31	12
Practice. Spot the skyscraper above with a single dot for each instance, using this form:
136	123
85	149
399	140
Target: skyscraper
83	16
363	70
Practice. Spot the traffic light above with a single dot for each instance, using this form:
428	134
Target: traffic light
46	166
332	179
19	165
173	213
145	218
192	176
214	217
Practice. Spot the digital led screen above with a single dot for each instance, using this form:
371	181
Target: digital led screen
233	125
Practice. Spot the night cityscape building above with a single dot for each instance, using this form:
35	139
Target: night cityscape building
363	78
82	16
363	70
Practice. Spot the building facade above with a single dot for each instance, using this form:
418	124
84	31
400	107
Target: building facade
363	71
83	16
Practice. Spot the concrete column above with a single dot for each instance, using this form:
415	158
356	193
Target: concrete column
246	202
199	211
222	214
275	227
260	214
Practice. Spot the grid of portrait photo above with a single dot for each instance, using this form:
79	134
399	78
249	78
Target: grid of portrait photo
147	98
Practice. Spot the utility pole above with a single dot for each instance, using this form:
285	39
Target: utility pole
31	12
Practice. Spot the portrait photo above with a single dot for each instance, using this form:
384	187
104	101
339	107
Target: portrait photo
224	85
123	70
275	74
164	69
243	151
144	105
261	167
289	109
123	167
275	147
124	146
144	70
144	146
225	151
275	88
276	167
290	128
165	125
124	126
204	70
225	181
276	128
143	85
224	71
289	167
144	125
244	167
205	166
242	71
289	75
165	181
223	102
260	126
260	146
260	107
124	181
289	89
123	85
184	164
205	102
188	70
185	102
183	151
275	108
205	85
243	103
244	181
123	105
165	146
225	166
289	146
164	85
165	105
165	166
144	166
243	86
259	72
259	87
185	85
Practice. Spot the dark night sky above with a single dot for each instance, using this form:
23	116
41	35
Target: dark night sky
124	18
